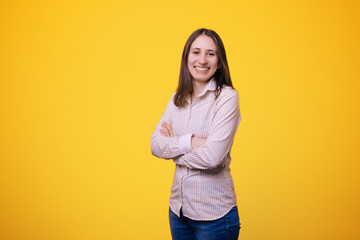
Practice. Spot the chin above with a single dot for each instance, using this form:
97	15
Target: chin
202	79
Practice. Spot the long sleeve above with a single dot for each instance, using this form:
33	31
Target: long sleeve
166	147
202	187
221	135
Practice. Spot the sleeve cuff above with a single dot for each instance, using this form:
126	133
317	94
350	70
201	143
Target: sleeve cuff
185	144
178	161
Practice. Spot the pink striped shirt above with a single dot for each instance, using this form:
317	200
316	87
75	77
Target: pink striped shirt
202	187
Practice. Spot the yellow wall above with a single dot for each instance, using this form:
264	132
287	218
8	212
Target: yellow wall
83	84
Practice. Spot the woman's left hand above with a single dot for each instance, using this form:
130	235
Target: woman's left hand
166	130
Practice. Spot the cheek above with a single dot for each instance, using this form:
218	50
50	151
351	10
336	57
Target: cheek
190	60
215	63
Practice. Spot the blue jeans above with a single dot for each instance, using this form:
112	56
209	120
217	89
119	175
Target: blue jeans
225	228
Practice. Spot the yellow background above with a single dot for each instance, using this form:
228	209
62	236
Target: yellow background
83	84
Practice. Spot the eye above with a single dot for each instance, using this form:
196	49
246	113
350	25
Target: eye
212	54
195	52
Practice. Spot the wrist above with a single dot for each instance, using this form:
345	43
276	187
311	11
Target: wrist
185	143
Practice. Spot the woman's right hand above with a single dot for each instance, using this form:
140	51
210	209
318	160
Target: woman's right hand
197	142
167	131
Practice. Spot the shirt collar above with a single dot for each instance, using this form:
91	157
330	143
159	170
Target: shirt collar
211	86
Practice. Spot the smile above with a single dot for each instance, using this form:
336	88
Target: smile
202	68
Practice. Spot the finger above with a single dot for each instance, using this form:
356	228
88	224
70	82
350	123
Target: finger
164	126
171	131
165	131
162	132
167	127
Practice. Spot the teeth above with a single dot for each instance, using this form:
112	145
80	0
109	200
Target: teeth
202	69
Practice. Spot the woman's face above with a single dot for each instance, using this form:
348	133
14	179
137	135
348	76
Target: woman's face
202	60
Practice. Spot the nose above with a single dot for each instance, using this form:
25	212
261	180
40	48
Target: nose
202	59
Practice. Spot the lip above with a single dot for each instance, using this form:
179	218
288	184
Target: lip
203	69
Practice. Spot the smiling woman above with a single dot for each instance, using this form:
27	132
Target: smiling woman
202	61
204	49
197	132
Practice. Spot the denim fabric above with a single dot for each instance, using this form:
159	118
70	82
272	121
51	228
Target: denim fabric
225	228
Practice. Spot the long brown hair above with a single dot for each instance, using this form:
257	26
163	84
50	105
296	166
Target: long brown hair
222	75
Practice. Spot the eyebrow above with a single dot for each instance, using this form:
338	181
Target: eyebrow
207	49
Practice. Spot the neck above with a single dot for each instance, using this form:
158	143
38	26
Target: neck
198	87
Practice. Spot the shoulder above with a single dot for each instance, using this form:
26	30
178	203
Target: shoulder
170	104
227	93
172	96
171	101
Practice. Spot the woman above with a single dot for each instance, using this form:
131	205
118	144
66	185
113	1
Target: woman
197	131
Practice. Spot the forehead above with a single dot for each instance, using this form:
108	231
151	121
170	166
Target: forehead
204	42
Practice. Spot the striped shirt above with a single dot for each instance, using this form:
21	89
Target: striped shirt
202	187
